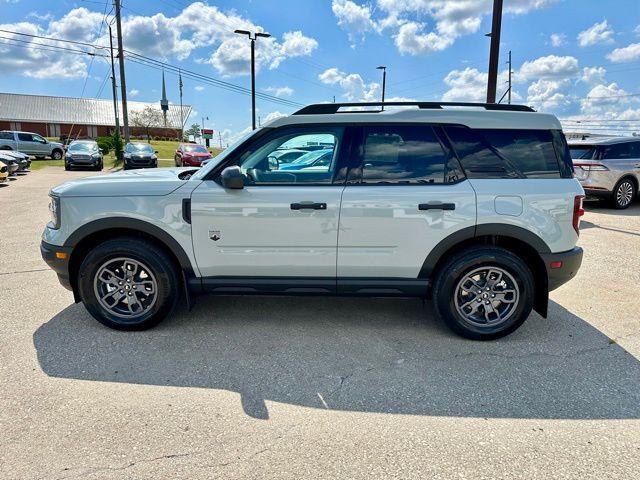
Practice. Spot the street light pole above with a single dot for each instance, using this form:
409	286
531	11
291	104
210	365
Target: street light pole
384	82
123	82
252	37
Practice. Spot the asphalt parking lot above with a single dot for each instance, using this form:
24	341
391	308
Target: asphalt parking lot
317	388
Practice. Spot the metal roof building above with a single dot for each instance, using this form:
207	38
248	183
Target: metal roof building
58	116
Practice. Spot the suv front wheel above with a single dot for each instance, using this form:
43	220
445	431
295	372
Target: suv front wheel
128	284
484	293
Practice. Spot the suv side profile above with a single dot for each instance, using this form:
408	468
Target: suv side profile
31	144
608	168
475	207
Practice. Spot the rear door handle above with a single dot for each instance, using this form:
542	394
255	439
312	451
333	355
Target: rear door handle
308	206
437	206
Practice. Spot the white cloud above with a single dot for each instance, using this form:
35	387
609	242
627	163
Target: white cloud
558	39
593	75
355	19
630	53
198	88
280	91
411	20
607	100
468	85
354	88
134	92
297	45
549	67
597	33
545	94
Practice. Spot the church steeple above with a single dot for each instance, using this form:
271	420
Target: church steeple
164	103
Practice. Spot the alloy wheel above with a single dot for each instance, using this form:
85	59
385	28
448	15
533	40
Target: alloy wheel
125	287
624	194
487	296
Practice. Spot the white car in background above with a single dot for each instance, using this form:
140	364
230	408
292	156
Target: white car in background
608	168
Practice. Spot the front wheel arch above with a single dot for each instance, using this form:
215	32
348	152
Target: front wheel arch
92	234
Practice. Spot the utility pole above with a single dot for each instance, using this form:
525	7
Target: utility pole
181	119
384	82
509	94
123	83
253	37
113	84
206	140
494	52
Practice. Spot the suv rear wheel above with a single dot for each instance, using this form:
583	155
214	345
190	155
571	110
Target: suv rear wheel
623	194
128	284
484	293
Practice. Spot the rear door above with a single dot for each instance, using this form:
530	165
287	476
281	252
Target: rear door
281	224
623	157
405	193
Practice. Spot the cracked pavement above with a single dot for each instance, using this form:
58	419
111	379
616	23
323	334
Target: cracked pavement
317	387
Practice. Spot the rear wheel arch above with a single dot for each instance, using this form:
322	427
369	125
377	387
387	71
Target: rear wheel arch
527	246
94	233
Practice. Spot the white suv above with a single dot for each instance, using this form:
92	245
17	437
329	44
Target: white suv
472	205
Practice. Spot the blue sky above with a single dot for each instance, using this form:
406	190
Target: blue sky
579	59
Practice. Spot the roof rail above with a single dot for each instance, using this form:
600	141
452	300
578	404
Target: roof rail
329	108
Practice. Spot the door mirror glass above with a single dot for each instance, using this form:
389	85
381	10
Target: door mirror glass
273	163
232	177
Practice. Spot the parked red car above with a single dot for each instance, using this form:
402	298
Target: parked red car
191	155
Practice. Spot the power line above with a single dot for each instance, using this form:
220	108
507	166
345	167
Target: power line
142	58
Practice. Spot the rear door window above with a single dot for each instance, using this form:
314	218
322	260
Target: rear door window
618	150
25	137
401	154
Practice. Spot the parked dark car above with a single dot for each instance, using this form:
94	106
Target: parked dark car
24	161
12	164
140	155
83	153
191	155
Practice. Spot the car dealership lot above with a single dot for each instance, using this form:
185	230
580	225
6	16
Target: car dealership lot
252	387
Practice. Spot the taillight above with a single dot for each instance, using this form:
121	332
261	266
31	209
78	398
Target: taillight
591	167
578	212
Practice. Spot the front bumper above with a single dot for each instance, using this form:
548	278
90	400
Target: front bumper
57	258
569	265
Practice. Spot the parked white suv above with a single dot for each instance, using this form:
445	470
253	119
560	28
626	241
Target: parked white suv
472	205
608	168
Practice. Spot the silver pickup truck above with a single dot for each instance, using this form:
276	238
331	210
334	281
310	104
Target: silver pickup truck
31	144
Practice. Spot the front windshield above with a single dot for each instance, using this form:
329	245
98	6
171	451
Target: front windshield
139	147
200	174
82	147
195	148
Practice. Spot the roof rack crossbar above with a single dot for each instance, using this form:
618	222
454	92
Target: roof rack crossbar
329	108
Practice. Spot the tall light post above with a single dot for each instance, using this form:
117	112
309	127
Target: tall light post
252	36
384	81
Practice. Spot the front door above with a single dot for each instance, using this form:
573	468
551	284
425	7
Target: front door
283	223
405	194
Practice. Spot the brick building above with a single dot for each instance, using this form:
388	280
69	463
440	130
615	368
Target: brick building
78	117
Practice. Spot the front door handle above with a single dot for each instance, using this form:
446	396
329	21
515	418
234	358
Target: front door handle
308	206
437	206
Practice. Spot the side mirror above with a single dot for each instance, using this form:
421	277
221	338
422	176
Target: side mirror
232	177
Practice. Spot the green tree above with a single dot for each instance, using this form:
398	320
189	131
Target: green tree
193	130
147	118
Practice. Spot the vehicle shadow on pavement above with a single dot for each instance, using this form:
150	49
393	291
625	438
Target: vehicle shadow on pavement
366	355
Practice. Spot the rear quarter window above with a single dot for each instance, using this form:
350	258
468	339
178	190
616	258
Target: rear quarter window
511	153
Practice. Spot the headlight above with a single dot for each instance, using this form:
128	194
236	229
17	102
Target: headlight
127	155
54	210
95	155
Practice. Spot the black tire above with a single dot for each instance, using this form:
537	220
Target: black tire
620	197
466	261
99	167
40	157
150	256
67	167
56	154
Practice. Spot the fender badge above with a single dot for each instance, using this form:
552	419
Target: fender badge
214	235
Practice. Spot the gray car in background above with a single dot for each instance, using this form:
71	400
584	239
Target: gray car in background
608	168
83	153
